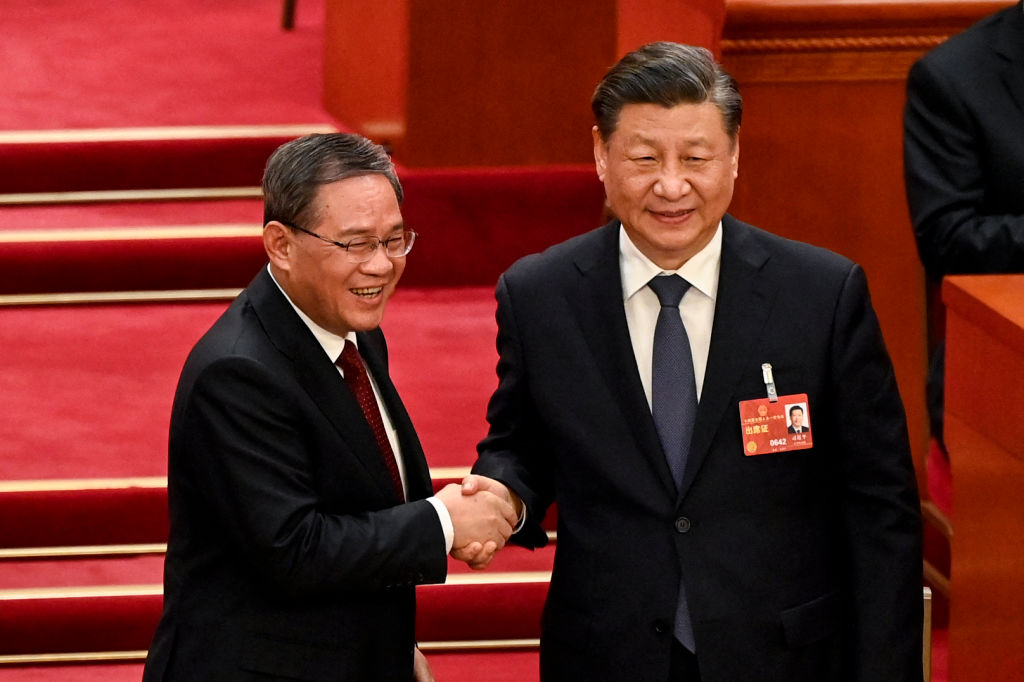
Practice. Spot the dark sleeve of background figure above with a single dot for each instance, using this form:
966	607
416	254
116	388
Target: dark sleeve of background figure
946	185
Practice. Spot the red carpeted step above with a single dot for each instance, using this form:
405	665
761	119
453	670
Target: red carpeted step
451	666
487	607
86	390
139	158
121	513
478	608
146	569
473	224
457	666
79	571
87	517
498	665
80	619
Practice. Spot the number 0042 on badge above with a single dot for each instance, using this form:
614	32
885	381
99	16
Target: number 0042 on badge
775	426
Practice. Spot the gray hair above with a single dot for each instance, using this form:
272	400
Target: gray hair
667	74
297	169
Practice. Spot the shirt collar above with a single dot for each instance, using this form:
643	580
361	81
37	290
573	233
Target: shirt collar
329	341
701	271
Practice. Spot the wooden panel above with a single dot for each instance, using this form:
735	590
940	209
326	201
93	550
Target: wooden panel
985	435
366	58
467	83
823	84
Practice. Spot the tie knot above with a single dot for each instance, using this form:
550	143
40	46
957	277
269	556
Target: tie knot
669	289
349	357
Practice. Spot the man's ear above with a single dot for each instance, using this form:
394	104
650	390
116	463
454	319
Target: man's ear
736	155
278	241
600	153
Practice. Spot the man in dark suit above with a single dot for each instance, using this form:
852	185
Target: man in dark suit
963	149
300	500
723	556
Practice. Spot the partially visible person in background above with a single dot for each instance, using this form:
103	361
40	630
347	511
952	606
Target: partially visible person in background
964	162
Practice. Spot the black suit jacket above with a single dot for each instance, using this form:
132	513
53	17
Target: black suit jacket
289	553
801	565
964	149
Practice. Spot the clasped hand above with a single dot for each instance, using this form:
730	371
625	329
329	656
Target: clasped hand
484	513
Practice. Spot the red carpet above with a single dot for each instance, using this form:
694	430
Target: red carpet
508	666
86	390
110	63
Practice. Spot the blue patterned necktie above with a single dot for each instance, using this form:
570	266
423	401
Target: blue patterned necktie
673	387
674	404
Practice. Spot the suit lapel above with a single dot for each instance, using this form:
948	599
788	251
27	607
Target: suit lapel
597	302
417	474
1010	45
318	376
741	311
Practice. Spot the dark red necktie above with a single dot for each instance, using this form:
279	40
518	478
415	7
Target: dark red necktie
359	381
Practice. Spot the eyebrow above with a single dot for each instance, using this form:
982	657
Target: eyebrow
643	140
367	231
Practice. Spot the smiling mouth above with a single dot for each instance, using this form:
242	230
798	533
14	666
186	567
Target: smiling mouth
673	214
368	292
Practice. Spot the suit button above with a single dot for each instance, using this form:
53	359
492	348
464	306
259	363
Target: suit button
660	626
682	525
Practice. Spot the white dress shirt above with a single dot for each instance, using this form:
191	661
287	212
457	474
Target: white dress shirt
697	307
333	345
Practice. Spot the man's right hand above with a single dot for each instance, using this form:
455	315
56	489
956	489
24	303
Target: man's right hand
482	522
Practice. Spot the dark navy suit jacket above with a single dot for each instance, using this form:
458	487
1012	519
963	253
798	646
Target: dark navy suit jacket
801	565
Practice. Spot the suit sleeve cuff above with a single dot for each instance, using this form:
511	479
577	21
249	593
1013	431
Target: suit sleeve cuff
446	523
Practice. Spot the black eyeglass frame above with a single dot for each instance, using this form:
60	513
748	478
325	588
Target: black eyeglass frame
409	236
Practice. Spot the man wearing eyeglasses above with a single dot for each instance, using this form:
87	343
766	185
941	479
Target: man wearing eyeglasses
301	515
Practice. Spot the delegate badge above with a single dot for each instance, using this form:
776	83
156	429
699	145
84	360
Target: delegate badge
778	425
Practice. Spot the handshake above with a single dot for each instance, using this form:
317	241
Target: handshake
484	513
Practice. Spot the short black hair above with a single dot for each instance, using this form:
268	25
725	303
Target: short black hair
667	74
297	169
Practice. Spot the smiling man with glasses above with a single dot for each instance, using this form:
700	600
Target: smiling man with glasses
301	506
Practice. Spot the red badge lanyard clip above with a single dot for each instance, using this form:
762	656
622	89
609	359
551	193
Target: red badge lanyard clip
769	382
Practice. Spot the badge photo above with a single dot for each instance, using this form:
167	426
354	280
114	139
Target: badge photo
780	425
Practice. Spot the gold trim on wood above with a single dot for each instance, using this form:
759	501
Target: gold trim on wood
84	657
78	484
486	578
181	295
97	196
449	472
142	233
832	44
152	133
478	645
86	591
820	67
81	551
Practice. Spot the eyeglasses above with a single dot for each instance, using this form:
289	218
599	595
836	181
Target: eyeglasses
361	249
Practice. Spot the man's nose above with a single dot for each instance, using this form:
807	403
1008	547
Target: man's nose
379	262
673	183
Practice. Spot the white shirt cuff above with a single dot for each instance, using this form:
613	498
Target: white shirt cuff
446	523
522	520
